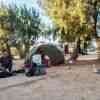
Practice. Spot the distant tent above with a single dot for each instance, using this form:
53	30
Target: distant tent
55	54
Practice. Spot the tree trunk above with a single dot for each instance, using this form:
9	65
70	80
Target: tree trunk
27	48
23	48
75	53
20	50
95	23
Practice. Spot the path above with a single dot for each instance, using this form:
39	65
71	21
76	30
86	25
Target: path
79	83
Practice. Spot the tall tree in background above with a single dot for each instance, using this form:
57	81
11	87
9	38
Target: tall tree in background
4	28
70	17
21	22
93	6
27	26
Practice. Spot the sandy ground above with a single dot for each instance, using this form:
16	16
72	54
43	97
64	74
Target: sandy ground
78	83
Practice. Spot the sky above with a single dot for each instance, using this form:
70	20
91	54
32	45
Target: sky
28	3
20	2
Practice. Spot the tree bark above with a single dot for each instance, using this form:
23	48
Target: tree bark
75	53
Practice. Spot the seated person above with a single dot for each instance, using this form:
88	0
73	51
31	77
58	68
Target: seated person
36	67
6	61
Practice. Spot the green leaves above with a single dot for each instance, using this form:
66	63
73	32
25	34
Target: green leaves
67	14
21	21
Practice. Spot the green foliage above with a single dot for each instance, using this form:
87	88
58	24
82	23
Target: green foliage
20	22
69	16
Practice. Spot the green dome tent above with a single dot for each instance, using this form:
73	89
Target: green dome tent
55	54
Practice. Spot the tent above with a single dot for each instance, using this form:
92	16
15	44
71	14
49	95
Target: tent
55	54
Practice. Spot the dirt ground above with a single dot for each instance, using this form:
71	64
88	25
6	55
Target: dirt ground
60	83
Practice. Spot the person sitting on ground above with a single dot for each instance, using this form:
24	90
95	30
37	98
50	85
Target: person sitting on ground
6	61
36	67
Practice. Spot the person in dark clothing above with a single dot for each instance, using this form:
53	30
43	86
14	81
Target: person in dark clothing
66	51
30	71
6	61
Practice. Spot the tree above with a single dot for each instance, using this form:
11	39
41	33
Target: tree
27	26
65	12
4	28
70	16
94	6
24	23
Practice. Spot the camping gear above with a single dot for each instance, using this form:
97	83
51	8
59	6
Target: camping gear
52	51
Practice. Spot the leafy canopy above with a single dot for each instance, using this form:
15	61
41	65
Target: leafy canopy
68	15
